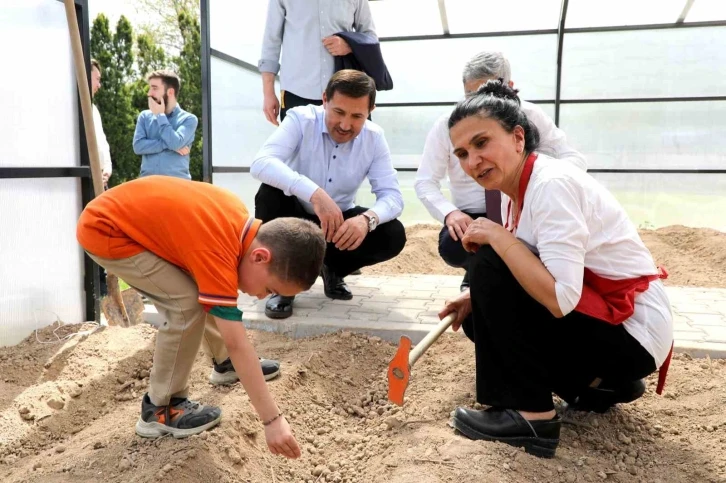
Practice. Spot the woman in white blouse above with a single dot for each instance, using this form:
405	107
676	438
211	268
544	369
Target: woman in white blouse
564	298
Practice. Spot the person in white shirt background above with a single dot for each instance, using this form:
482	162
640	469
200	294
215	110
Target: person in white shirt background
438	161
566	299
104	151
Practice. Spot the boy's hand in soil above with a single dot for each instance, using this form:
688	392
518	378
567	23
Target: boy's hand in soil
280	439
247	366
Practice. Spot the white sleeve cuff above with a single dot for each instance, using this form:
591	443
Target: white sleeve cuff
567	297
268	66
445	208
304	188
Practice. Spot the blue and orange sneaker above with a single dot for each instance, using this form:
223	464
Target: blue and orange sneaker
181	418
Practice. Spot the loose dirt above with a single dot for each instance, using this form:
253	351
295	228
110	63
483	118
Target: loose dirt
67	412
692	256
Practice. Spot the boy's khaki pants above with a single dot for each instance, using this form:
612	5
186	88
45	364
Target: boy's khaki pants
186	324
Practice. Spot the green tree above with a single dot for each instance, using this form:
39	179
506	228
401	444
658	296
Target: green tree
115	54
189	68
149	57
163	25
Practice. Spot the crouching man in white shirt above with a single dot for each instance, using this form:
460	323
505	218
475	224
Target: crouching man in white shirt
468	201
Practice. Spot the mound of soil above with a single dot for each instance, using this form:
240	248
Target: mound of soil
67	412
692	256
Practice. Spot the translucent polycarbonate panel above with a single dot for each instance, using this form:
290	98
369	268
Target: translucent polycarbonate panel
239	127
656	200
236	28
39	125
406	129
400	18
41	264
241	184
467	16
661	135
589	13
647	63
706	11
413	210
549	109
430	70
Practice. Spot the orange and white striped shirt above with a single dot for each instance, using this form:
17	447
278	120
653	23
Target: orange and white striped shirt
201	228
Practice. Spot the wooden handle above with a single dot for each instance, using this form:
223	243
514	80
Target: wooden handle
430	338
85	94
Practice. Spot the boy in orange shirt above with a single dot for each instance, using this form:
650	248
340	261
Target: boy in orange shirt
189	246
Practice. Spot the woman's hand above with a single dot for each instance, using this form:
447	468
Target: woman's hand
481	232
461	305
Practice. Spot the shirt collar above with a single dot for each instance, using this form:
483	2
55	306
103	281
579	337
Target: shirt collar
322	115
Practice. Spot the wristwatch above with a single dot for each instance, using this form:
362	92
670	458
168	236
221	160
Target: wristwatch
372	222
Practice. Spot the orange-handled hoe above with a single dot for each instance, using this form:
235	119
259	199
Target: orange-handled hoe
399	370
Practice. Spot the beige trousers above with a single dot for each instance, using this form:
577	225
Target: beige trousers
186	324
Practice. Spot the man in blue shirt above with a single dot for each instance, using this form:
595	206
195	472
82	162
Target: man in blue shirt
312	167
165	132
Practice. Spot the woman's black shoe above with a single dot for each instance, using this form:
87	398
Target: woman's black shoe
539	438
600	399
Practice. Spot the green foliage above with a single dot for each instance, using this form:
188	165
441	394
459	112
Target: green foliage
150	57
163	21
189	68
114	53
126	59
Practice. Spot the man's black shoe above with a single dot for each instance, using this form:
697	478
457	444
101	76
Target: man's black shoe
600	399
335	286
279	307
539	438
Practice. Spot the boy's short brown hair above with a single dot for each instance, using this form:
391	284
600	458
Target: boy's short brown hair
96	64
169	78
297	247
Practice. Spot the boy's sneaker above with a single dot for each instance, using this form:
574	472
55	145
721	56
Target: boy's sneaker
181	418
224	373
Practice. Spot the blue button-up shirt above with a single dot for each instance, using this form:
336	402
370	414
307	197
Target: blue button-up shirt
157	139
301	157
297	27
